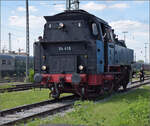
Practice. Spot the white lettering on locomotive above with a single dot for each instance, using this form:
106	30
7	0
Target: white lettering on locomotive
66	48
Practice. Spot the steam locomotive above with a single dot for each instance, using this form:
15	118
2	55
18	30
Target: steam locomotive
79	53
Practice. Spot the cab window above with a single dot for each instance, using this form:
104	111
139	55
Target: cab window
9	62
106	33
111	35
94	29
3	62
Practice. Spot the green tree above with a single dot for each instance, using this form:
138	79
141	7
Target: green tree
140	61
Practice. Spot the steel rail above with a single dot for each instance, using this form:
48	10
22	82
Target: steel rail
139	84
23	113
146	78
20	87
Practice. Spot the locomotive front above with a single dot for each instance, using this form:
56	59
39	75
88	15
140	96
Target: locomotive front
66	54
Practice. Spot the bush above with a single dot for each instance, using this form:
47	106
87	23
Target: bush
31	75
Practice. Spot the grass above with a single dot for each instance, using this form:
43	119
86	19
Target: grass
13	99
10	84
5	86
135	79
147	72
129	109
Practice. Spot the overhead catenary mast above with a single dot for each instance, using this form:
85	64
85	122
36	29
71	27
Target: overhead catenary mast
9	42
0	43
72	4
146	52
27	40
124	32
149	51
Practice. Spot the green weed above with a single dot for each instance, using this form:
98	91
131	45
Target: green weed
129	109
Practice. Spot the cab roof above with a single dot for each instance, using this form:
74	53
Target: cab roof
74	15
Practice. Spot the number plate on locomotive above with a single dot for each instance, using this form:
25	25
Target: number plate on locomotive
66	48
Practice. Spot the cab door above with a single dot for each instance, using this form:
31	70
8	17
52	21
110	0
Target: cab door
99	51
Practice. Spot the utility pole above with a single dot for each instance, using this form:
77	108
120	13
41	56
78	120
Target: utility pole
0	44
27	40
146	52
9	34
72	4
124	32
149	51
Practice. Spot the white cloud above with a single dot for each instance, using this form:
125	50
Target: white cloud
43	3
12	12
31	8
89	6
17	21
139	2
59	7
129	25
93	6
141	34
138	34
21	9
20	21
20	42
120	5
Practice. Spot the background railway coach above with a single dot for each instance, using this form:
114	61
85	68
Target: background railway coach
79	53
138	65
13	65
7	64
146	67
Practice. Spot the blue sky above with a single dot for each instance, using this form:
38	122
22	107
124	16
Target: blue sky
131	16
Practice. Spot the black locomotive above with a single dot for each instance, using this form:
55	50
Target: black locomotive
79	53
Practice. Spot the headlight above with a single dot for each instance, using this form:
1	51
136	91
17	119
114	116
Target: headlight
43	67
81	67
61	25
79	24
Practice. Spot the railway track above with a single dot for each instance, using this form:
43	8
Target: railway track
146	78
7	81
21	87
42	109
12	79
137	84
